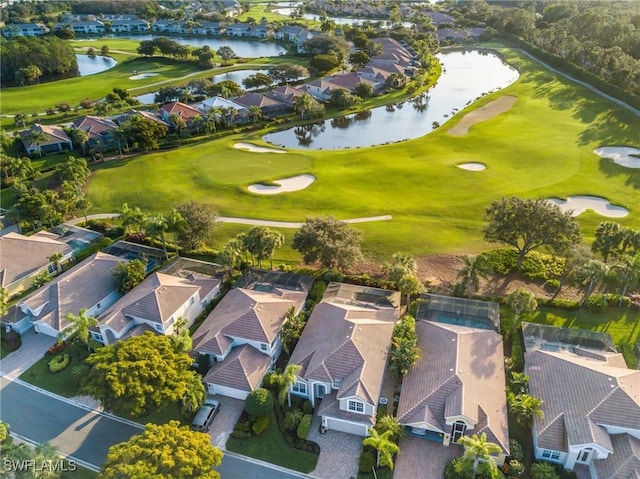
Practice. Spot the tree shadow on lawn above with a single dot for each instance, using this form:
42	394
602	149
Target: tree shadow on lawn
612	170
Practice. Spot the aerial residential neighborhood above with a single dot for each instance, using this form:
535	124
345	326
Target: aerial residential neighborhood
320	239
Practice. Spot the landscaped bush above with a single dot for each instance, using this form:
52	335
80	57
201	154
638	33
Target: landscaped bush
240	435
304	426
597	304
552	284
307	408
515	448
59	363
259	403
11	340
367	460
57	348
261	425
564	304
536	265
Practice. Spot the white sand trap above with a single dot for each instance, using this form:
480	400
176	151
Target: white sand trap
295	183
620	155
256	149
580	204
490	110
472	166
142	76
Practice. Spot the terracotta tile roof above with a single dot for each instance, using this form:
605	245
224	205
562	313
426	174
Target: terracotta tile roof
349	81
349	342
330	406
185	111
250	99
55	133
246	314
586	392
95	126
22	255
624	463
460	373
286	94
83	286
243	369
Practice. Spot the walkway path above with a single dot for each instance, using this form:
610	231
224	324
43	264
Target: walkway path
243	221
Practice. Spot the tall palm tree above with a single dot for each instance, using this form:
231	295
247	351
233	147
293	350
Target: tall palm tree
291	329
176	223
475	268
38	137
524	407
303	104
156	227
80	324
390	423
590	275
194	394
626	273
477	449
256	113
385	447
285	380
81	137
520	301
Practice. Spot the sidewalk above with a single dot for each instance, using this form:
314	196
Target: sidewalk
34	346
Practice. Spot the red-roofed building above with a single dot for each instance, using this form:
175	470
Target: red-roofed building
57	140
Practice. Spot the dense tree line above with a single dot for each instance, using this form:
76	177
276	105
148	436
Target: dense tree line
602	38
143	8
53	58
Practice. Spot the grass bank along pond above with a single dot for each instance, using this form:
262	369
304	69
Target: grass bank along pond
466	76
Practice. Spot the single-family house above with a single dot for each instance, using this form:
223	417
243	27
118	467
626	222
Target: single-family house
286	94
184	111
270	107
209	28
438	18
457	386
100	130
238	30
87	285
156	304
230	8
135	24
239	340
230	111
24	30
591	402
22	258
121	119
57	140
261	30
82	27
319	89
342	353
288	33
350	81
164	26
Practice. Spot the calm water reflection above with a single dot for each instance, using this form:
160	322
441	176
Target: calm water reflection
466	76
91	65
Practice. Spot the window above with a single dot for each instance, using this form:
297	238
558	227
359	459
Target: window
546	454
555	455
263	346
192	300
355	406
300	388
459	429
158	327
337	383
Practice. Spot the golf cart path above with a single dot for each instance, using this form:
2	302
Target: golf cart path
243	221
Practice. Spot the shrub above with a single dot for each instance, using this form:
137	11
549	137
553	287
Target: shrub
516	450
58	363
552	284
57	348
261	425
597	304
307	408
268	382
259	403
367	461
304	426
565	304
240	435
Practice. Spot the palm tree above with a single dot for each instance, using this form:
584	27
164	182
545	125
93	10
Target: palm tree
590	275
194	394
478	449
81	137
197	122
285	380
626	272
543	470
157	227
519	382
291	329
274	240
520	301
37	137
303	104
390	423
385	447
256	113
177	122
176	223
524	407
85	205
402	271
80	324
475	268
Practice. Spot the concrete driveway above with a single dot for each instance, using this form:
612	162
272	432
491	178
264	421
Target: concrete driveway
339	452
223	424
422	458
34	346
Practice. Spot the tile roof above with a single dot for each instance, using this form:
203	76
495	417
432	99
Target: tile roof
22	255
349	80
330	406
586	392
250	99
349	342
55	133
156	299
95	126
460	373
83	286
624	463
185	111
243	369
285	93
245	314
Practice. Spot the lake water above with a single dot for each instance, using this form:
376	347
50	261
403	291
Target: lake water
242	47
91	65
287	11
466	76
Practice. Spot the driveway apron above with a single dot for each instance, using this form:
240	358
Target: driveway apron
34	346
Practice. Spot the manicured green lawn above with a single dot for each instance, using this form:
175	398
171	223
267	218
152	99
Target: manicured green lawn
271	447
63	383
542	147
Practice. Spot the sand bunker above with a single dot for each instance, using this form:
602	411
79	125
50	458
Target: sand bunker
620	155
295	183
490	110
580	204
472	166
142	76
256	149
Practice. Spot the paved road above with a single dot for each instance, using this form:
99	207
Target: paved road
86	435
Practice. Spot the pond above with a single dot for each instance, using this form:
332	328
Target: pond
287	11
242	47
235	76
91	65
466	76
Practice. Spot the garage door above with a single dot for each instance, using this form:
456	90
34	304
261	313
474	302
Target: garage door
226	391
343	426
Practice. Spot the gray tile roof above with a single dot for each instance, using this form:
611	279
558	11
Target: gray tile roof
22	255
460	373
245	314
330	406
349	342
624	463
586	392
243	369
83	286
